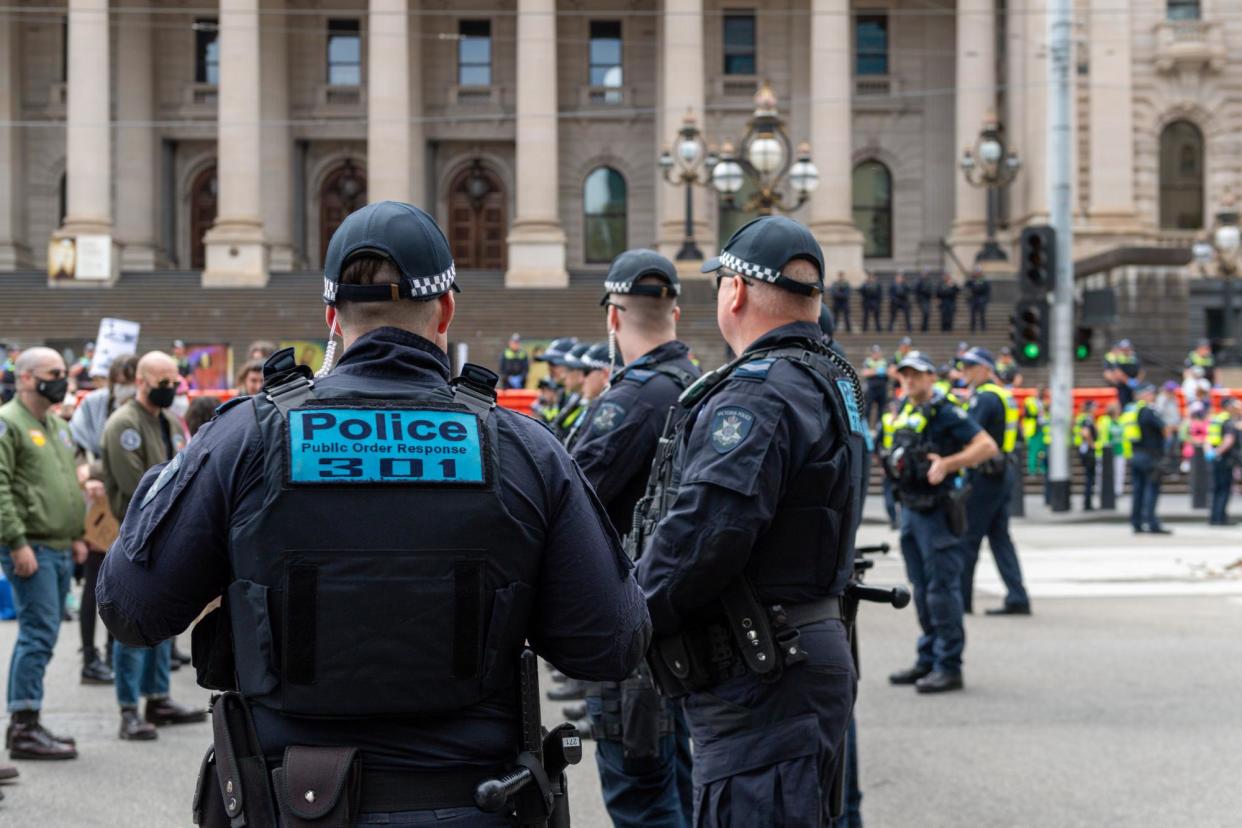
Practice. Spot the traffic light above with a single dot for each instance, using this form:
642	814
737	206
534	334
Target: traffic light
1037	269
1082	344
1028	331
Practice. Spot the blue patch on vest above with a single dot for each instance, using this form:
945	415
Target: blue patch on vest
754	370
852	412
729	428
639	375
384	445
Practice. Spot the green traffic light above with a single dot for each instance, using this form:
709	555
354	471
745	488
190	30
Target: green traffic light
1031	350
1081	352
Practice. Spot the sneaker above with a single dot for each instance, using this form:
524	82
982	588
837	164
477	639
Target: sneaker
96	672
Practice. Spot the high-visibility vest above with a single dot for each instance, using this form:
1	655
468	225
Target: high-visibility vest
1131	432
1195	359
1011	413
1030	418
1103	433
1216	429
1080	422
888	425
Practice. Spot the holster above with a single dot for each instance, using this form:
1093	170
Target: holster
955	509
233	789
211	651
318	787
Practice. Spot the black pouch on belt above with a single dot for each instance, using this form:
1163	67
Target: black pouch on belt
955	510
640	717
318	787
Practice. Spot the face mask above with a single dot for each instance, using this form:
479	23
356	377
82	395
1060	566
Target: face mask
180	405
53	390
162	397
124	393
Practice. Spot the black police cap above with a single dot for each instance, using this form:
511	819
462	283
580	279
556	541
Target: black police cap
573	359
762	247
596	357
633	265
557	349
400	233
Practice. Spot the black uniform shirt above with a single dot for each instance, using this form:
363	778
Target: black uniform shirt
589	617
899	295
618	439
871	293
746	442
988	410
1151	425
947	432
840	293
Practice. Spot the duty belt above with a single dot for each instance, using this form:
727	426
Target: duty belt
825	609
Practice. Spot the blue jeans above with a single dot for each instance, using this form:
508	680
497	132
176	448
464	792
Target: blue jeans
655	792
987	516
933	557
145	670
1222	487
39	601
1144	491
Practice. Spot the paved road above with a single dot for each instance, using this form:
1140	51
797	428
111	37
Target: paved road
1115	704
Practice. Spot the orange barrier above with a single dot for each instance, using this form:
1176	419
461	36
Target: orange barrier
520	399
1104	396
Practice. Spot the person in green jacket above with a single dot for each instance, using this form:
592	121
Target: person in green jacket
42	513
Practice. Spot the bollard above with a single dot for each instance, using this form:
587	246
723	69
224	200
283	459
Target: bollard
1108	480
1200	480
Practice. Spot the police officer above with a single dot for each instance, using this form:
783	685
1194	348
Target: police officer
1145	432
642	747
1123	370
923	293
1086	443
385	542
554	356
514	364
597	367
872	294
898	301
884	447
946	294
994	409
933	441
875	379
745	570
1224	451
841	300
573	406
979	290
1202	357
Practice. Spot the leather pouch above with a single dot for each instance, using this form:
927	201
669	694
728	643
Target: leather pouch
318	787
208	806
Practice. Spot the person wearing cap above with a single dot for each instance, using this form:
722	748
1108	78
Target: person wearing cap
841	300
514	364
979	290
554	355
573	406
1145	432
756	525
1123	371
875	381
946	295
547	405
642	747
1007	369
872	294
1224	452
898	301
597	368
1202	357
991	484
933	441
385	541
1086	444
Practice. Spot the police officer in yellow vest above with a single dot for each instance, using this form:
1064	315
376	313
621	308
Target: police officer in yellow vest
1035	430
888	426
991	484
1145	434
1224	451
1110	434
1086	440
1201	357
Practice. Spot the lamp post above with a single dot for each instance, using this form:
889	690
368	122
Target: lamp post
690	163
991	165
767	158
1223	247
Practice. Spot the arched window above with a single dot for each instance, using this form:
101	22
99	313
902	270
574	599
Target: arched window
603	208
1181	176
203	197
873	208
477	219
343	191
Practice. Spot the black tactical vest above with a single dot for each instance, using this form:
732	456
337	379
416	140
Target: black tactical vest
384	575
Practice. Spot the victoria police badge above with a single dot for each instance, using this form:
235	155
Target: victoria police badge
729	428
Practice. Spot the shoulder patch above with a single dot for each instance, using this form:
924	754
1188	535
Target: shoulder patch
131	440
729	428
38	437
166	476
754	370
639	375
608	417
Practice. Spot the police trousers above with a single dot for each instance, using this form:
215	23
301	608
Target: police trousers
987	516
765	753
933	557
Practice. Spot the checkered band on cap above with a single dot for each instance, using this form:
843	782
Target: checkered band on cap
433	285
617	287
746	268
329	290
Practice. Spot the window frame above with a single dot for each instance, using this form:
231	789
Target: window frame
727	52
604	93
462	36
1183	10
332	33
859	21
1173	181
611	213
871	250
203	63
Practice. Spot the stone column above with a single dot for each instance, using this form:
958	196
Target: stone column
277	196
1111	117
236	254
88	126
682	88
136	149
1029	198
389	146
831	216
976	98
536	240
14	253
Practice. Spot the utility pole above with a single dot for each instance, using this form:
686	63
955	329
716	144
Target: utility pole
1059	180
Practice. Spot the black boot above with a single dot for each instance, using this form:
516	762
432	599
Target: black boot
133	728
167	712
27	739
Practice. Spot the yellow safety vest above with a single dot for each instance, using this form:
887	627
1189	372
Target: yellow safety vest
887	427
1011	413
1216	429
1080	422
1131	432
1201	361
1030	418
910	417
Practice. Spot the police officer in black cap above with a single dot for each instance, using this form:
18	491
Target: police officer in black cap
554	355
746	567
642	746
385	542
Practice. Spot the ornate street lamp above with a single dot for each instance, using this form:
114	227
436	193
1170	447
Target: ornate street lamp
690	162
1223	247
766	157
990	164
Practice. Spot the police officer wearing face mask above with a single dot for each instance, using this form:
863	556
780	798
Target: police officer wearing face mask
385	541
933	440
746	567
642	747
